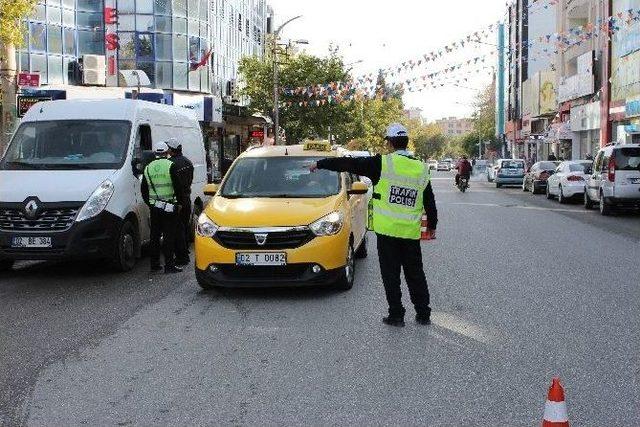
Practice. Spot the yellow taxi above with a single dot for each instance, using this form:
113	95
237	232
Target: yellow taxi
272	222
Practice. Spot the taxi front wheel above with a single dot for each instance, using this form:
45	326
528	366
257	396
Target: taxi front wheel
348	275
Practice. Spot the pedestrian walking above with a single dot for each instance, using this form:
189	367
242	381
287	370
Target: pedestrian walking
184	177
402	190
159	193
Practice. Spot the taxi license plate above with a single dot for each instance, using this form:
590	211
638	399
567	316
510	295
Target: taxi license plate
31	242
261	259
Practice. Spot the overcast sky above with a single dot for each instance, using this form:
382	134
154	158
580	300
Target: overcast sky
383	34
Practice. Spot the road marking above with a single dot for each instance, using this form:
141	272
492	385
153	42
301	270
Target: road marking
532	208
460	327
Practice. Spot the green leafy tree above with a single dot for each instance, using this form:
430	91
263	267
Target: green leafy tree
484	127
12	12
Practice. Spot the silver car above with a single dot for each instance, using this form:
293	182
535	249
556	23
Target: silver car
615	180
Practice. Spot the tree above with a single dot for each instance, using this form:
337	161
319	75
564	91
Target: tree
12	13
484	119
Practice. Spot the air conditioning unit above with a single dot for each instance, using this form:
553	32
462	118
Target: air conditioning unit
94	71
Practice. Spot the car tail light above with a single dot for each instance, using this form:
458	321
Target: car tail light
612	168
575	178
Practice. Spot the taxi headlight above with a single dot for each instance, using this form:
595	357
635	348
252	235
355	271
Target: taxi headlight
206	227
328	225
97	202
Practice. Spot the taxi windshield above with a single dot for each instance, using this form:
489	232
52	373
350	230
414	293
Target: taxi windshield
279	177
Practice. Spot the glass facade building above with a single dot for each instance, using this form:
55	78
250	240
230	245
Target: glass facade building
162	37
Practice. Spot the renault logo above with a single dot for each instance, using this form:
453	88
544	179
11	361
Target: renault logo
31	209
261	239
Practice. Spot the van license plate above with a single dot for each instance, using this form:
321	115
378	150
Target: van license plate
261	259
31	242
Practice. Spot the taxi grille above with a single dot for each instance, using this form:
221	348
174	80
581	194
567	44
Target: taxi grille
50	219
289	239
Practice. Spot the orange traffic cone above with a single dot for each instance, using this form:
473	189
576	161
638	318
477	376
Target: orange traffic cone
425	234
555	409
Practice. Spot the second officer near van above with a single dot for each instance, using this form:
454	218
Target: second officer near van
159	190
184	174
402	190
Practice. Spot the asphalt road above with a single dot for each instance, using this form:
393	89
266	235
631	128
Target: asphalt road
523	289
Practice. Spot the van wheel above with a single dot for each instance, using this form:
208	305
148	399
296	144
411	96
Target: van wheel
6	264
588	203
345	282
125	257
605	208
362	250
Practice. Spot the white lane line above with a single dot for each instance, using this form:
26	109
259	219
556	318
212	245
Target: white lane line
461	327
532	208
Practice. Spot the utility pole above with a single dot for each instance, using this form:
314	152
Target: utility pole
276	88
7	92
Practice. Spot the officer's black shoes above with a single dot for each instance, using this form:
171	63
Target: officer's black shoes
393	321
156	268
172	269
183	262
423	319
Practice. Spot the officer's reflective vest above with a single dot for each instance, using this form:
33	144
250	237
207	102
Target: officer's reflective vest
397	207
158	175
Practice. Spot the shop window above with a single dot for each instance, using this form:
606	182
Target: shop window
149	69
55	70
69	3
126	23
164	75
127	64
68	18
23	62
163	24
39	65
180	7
194	49
193	9
144	46
144	23
39	13
54	39
126	6
205	84
53	2
180	48
194	27
180	25
162	7
37	37
127	46
92	5
144	6
203	10
194	81
90	42
163	47
54	15
69	41
90	20
180	74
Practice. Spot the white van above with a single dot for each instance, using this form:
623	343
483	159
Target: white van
70	179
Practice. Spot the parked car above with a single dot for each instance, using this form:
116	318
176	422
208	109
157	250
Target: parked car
535	180
615	180
444	166
433	165
569	180
480	166
509	172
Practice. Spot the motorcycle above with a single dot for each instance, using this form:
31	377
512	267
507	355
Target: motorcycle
463	184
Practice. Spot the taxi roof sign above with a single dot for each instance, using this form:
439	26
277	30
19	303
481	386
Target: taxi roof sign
317	146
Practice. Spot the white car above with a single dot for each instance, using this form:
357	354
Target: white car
433	165
569	179
444	166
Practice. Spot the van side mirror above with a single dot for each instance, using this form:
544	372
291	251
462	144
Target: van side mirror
211	189
358	188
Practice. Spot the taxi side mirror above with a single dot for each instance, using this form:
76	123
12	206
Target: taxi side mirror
211	189
358	188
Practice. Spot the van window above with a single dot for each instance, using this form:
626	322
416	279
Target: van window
628	159
143	138
68	145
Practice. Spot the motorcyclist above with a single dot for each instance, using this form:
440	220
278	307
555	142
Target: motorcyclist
464	169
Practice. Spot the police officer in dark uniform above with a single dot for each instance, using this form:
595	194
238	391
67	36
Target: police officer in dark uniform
184	175
402	190
159	193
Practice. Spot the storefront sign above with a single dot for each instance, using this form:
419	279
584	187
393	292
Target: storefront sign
585	117
29	80
257	133
111	41
25	102
632	108
194	103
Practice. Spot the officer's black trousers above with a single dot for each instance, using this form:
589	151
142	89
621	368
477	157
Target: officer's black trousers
403	254
163	225
183	233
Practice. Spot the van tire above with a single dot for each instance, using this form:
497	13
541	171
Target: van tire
6	264
362	250
125	256
348	274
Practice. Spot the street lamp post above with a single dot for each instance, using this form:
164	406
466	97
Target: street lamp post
276	89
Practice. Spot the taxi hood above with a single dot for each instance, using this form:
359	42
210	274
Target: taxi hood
269	212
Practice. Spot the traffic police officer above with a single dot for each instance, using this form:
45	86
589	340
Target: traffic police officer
184	174
159	192
402	190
